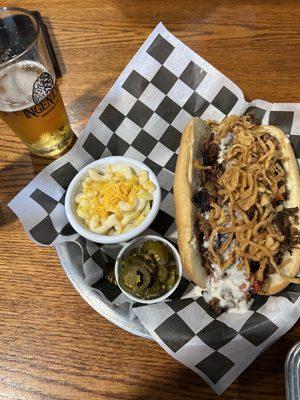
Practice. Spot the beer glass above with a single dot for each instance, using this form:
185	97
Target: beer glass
30	100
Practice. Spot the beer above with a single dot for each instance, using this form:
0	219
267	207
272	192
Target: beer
31	104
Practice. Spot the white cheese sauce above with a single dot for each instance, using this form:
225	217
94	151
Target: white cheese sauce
206	215
228	250
205	244
230	287
224	146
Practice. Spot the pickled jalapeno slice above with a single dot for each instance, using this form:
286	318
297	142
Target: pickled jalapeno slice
148	271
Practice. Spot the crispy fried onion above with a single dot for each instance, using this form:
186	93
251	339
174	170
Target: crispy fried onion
254	179
200	167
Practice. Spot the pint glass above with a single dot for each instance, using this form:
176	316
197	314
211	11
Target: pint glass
30	100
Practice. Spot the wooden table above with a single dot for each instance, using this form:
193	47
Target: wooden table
53	345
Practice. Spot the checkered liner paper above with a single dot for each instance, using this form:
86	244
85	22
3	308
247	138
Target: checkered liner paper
143	117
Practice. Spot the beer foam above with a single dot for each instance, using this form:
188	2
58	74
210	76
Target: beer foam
16	82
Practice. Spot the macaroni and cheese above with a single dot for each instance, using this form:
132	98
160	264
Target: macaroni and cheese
116	201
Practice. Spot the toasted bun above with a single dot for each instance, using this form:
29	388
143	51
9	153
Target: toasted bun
184	208
276	283
186	213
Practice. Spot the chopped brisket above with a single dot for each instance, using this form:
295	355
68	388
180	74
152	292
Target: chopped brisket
278	258
284	224
220	239
254	266
203	231
268	136
206	263
206	195
204	255
210	151
203	227
214	173
251	211
253	118
201	200
215	305
257	286
211	180
292	212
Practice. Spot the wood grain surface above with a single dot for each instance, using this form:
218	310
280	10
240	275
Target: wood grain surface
52	344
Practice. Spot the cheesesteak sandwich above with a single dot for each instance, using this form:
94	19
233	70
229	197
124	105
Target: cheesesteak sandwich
237	198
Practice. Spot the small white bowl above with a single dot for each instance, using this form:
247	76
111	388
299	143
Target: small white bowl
101	165
136	243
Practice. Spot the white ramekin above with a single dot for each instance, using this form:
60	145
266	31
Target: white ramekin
135	243
101	165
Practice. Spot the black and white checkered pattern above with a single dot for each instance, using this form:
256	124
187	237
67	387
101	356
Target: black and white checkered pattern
219	348
143	117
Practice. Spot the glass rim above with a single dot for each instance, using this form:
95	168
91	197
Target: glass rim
35	36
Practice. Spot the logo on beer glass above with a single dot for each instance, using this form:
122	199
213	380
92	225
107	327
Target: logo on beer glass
44	96
42	87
